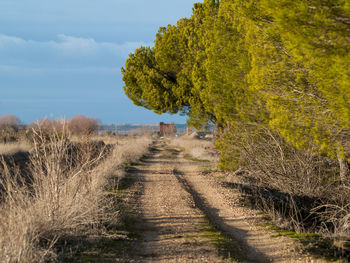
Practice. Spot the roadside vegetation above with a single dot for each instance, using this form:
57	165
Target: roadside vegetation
62	196
272	77
196	148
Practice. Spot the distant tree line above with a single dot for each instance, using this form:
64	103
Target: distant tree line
78	125
251	68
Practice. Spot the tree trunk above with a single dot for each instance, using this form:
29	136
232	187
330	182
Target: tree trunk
344	172
217	130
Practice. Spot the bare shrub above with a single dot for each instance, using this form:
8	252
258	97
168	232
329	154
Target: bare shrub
63	197
273	163
289	183
299	188
80	124
9	121
18	233
334	213
66	196
9	124
47	126
336	218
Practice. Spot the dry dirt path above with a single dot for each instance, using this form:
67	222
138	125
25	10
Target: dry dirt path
179	207
172	228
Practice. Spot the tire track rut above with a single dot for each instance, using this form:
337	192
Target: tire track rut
216	221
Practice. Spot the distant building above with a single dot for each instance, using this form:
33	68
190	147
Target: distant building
167	129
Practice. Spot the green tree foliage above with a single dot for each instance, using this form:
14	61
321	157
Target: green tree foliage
147	85
316	33
283	65
162	78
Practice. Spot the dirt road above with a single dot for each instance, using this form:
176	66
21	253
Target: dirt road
187	217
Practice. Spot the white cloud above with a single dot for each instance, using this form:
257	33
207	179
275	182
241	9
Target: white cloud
65	53
79	45
10	40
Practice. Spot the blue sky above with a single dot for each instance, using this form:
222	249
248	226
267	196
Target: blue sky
63	58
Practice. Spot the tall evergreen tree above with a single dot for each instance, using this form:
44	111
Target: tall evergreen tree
283	65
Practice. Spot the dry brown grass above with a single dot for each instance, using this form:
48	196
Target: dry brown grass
197	148
299	188
109	140
14	147
125	150
66	196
